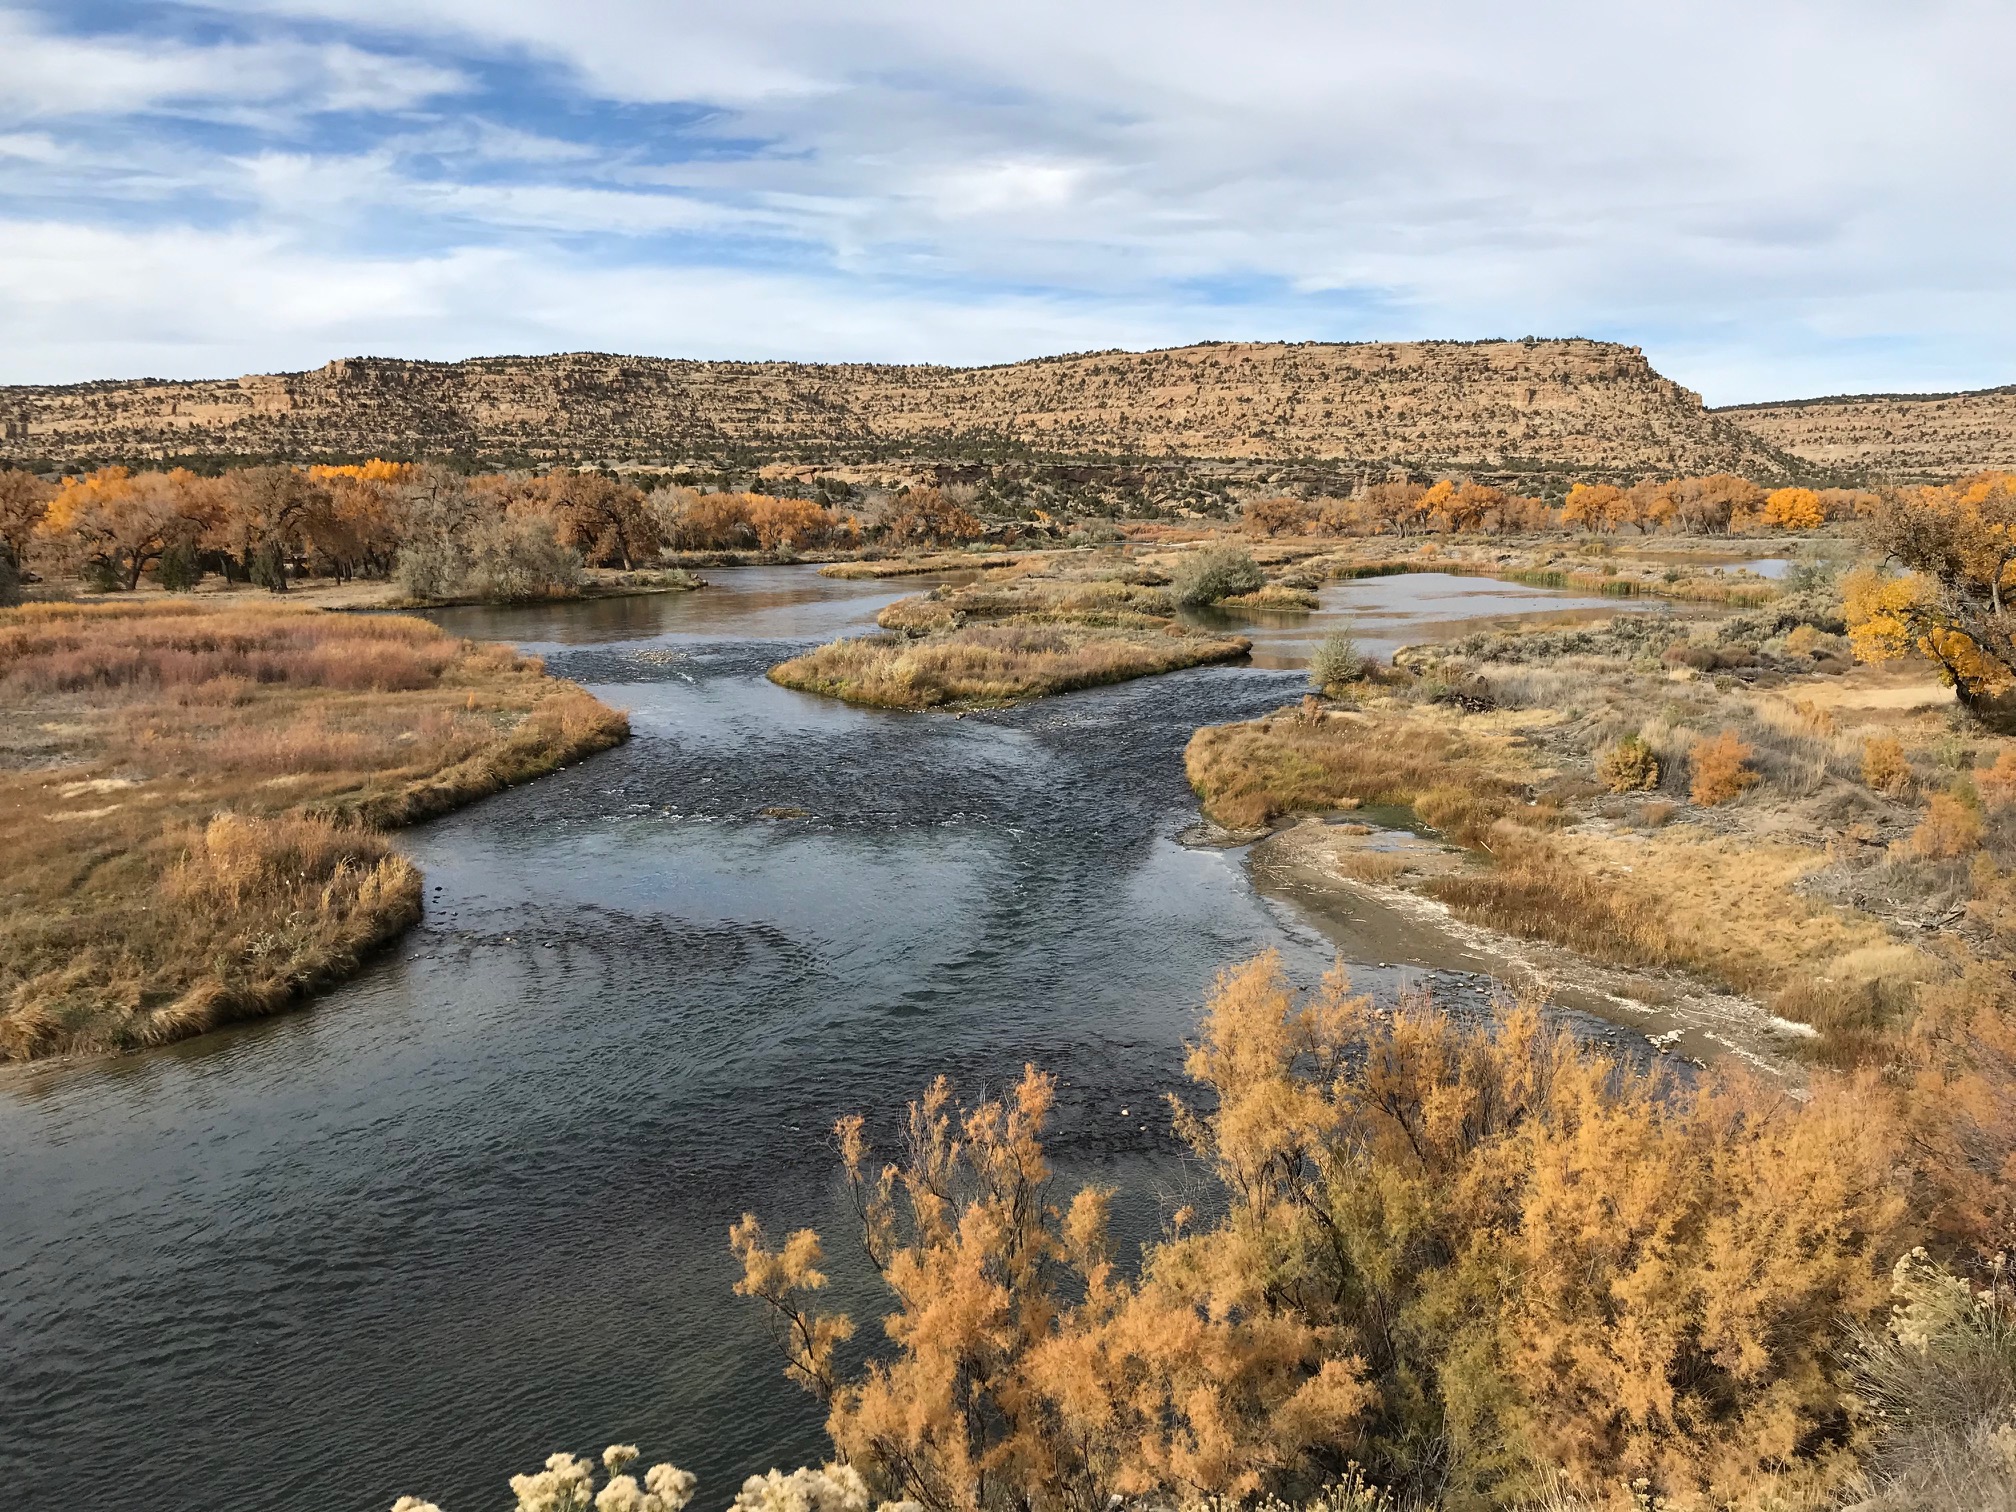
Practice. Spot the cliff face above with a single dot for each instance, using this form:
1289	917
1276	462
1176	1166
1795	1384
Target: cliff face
1547	406
1905	438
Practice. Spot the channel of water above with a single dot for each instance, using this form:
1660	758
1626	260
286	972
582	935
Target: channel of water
472	1207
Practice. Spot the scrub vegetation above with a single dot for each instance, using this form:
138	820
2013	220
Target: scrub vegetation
194	800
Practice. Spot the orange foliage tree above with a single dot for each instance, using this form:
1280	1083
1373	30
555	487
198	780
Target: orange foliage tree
1273	517
600	517
1596	506
924	516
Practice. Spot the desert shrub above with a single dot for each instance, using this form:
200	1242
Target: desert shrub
1474	1261
1951	827
1214	572
1336	660
1629	766
431	568
1996	783
1720	768
1699	658
1961	1060
1884	766
1940	1382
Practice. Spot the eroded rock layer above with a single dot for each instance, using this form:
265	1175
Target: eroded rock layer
1542	406
1906	438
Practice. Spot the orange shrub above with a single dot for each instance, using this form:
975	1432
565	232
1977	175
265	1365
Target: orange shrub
1528	1255
1951	827
1997	784
1884	767
1722	769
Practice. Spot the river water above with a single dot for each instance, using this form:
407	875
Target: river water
472	1207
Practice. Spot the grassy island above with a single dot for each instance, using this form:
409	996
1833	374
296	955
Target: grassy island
192	800
993	664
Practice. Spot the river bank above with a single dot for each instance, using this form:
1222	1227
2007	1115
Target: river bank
633	1002
193	795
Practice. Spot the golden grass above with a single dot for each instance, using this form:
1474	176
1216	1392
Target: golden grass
1249	775
1722	907
190	798
990	664
1281	598
918	566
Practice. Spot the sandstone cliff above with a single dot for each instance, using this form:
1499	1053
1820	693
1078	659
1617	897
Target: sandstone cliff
1904	438
1507	407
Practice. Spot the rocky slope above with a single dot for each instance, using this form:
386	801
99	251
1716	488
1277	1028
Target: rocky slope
1511	408
1905	438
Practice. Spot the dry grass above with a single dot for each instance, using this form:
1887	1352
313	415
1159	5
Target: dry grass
1725	907
918	566
1249	775
192	796
989	664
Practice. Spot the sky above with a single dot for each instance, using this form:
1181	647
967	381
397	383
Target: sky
1773	198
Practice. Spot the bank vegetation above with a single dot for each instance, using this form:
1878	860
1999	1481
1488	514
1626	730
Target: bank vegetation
193	799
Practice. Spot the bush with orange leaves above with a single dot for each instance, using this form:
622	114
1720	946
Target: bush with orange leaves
1885	767
1472	1261
1996	782
1721	768
1951	827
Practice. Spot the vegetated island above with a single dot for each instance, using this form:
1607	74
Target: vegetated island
193	796
1048	624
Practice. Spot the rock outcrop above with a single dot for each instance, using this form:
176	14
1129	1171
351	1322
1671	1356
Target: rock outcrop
1511	408
1900	438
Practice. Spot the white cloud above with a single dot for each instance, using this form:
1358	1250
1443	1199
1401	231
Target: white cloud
45	75
84	302
1774	183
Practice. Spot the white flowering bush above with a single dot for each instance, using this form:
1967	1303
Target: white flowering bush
567	1484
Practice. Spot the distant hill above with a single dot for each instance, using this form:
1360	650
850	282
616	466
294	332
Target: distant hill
1515	409
1905	438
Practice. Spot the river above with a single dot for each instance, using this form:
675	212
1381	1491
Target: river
472	1207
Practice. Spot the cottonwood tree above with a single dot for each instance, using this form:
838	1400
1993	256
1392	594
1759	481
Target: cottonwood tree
1954	603
115	524
24	500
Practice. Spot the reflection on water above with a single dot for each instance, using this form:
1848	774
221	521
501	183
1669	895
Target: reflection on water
1386	613
472	1207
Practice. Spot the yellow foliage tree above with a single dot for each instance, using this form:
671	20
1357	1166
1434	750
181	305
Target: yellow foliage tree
1953	603
1794	509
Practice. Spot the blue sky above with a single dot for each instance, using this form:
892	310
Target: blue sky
1773	199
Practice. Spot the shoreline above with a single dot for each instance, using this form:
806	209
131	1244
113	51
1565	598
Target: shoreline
1677	1013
